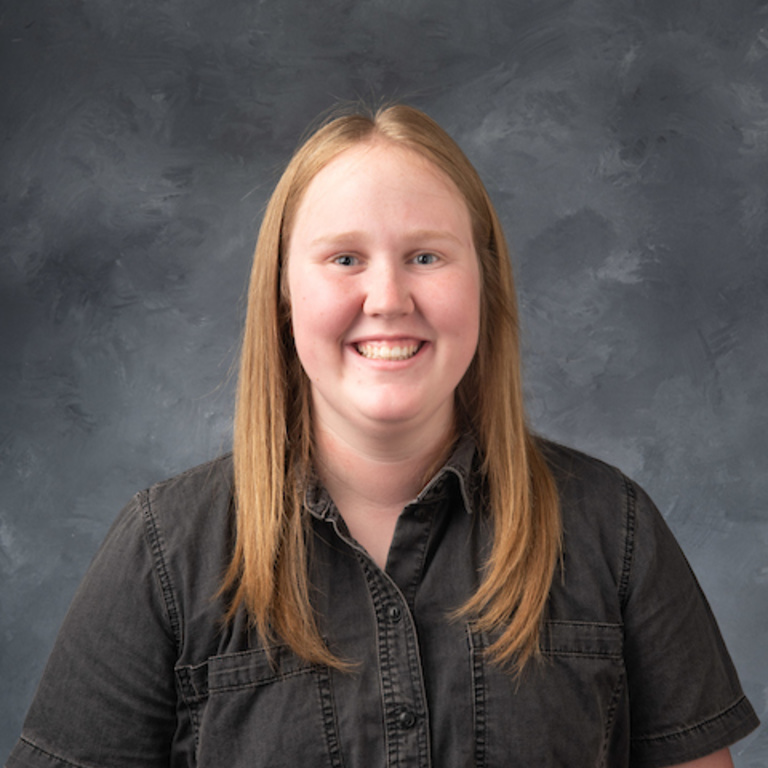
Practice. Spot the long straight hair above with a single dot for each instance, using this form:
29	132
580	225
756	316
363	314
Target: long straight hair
273	435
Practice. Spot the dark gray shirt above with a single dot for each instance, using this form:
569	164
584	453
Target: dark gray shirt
145	672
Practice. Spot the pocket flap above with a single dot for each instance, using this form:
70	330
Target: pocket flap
582	638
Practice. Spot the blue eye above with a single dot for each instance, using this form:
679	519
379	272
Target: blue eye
426	258
345	260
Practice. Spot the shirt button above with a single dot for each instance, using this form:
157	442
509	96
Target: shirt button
406	719
394	613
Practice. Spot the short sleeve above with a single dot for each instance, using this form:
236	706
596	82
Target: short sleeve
107	696
684	694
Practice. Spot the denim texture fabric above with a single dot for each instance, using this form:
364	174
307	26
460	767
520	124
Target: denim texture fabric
145	673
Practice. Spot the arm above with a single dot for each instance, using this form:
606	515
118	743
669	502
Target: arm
108	696
721	759
684	692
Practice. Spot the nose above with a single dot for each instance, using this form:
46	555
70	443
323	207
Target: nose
388	292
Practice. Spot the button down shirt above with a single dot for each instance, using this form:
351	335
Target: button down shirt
633	670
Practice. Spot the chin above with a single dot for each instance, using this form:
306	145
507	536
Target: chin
390	417
398	414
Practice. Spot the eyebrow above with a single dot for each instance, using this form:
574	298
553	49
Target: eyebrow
343	238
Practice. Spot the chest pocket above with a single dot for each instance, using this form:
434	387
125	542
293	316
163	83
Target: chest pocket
256	709
563	708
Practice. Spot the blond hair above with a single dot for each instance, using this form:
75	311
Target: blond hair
272	433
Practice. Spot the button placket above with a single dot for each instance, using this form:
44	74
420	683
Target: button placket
402	684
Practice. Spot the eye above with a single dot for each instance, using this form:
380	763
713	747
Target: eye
425	258
346	260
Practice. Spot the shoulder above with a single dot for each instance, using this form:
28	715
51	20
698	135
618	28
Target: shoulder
198	487
606	517
173	514
615	540
184	514
186	524
191	513
194	505
199	496
577	471
593	492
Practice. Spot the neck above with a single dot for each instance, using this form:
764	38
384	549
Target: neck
371	480
381	472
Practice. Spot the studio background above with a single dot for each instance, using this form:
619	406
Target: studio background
625	145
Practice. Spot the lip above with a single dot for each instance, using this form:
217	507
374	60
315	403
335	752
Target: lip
384	338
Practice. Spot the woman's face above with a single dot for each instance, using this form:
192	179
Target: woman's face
384	286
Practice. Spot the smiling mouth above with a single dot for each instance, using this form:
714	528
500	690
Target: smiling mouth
384	351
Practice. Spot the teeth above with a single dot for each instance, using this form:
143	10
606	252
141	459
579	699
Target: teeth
380	351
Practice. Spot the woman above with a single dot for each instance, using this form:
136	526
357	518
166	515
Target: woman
411	577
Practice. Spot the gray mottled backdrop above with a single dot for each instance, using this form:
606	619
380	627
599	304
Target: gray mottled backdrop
625	144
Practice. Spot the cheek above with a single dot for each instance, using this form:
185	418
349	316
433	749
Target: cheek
470	335
308	350
320	318
467	324
316	315
458	302
301	319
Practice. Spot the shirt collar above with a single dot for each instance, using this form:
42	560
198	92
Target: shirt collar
460	464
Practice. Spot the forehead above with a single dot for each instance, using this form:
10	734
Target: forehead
375	176
382	157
